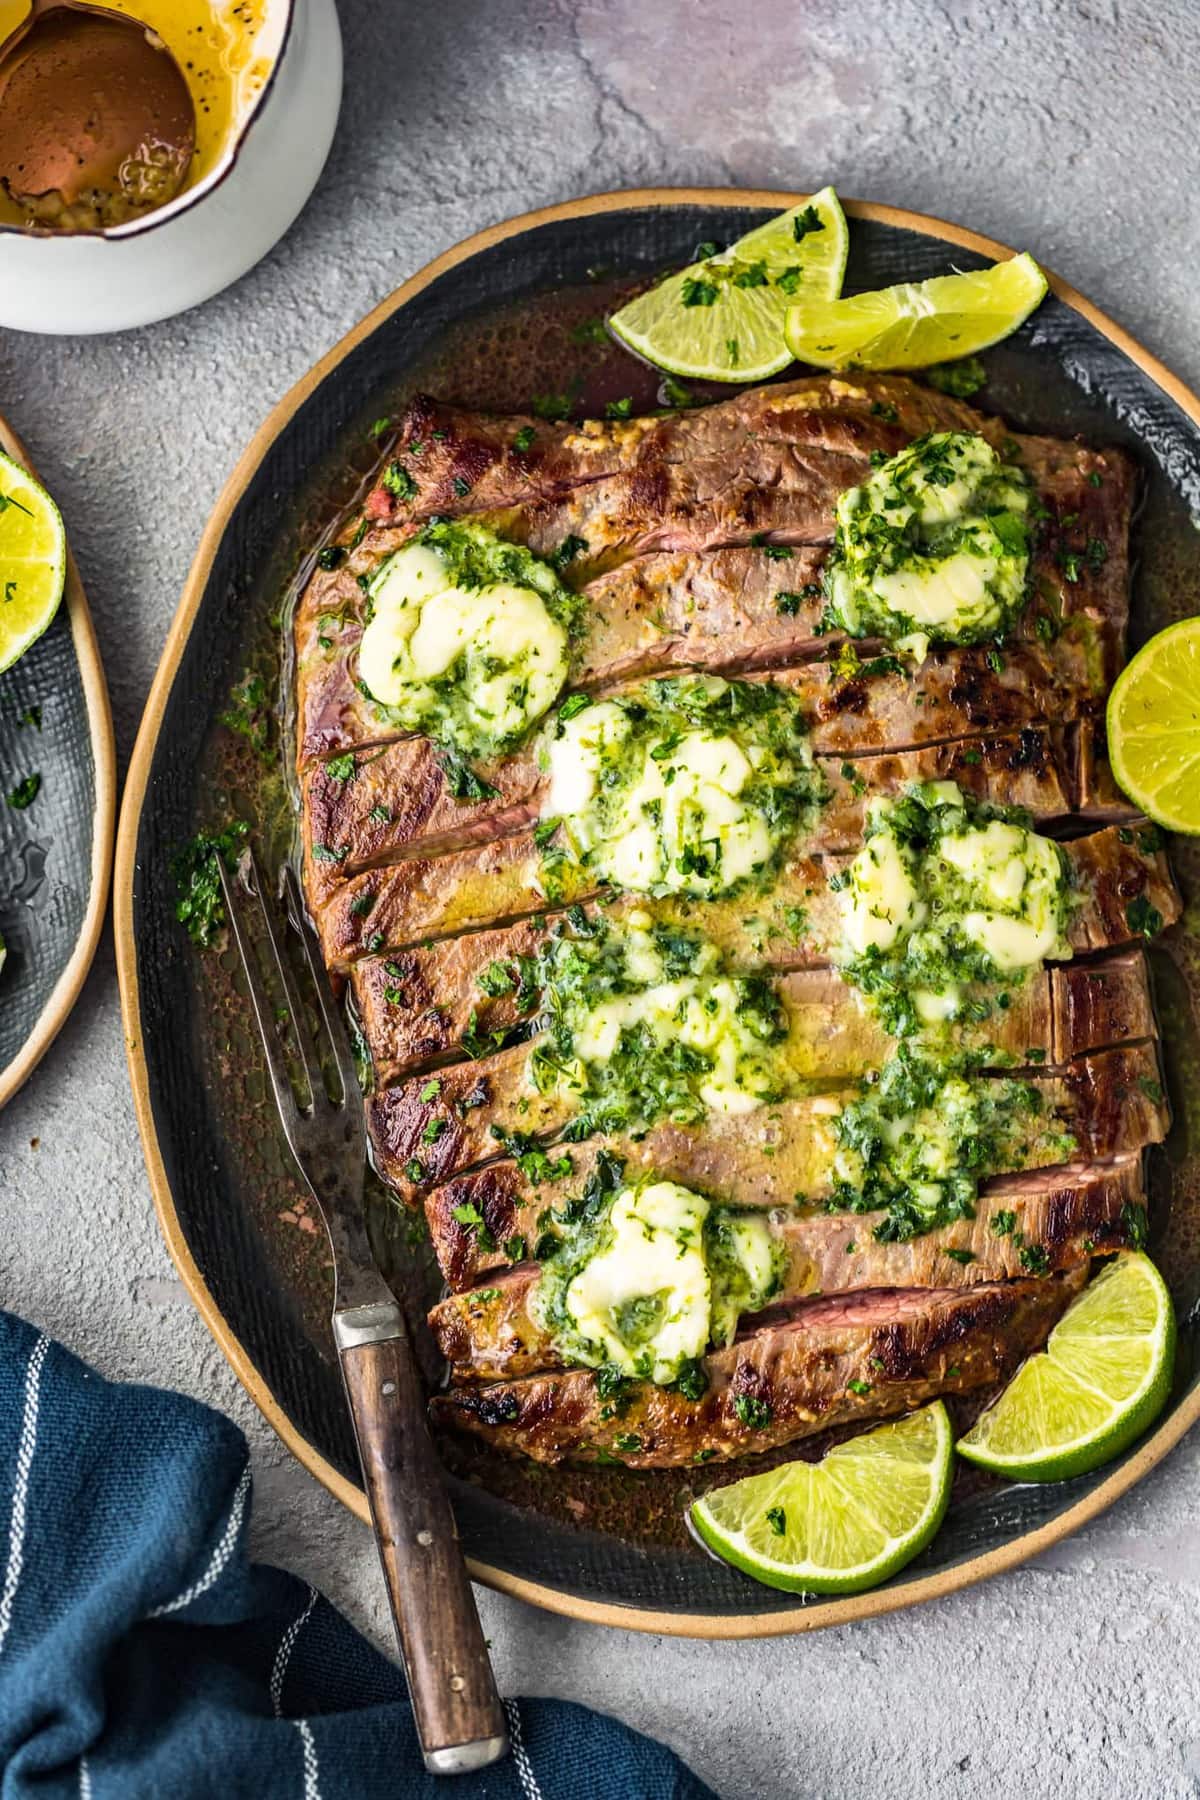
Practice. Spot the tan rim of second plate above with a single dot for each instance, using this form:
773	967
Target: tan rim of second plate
53	1015
698	1625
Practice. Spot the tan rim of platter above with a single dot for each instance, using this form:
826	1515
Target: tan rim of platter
749	1623
104	758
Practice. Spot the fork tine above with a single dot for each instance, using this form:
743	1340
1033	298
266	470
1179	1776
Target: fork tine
277	1068
334	1024
304	1045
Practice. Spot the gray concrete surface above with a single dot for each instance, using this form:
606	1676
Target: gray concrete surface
1066	128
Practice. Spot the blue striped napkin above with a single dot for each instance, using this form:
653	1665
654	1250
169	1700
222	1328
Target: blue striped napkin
143	1657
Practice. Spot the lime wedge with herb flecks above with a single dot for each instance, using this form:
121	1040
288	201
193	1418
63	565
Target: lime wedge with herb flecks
842	1524
33	560
916	323
1103	1376
721	318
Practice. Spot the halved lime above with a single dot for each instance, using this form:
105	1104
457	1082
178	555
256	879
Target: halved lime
1154	727
1103	1376
33	560
842	1524
721	319
916	323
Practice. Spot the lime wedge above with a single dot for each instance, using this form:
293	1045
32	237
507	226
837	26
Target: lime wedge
33	560
842	1524
1154	728
721	319
1103	1376
916	323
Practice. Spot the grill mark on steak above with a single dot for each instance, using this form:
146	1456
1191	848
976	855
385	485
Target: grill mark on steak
1109	1103
493	1334
834	1360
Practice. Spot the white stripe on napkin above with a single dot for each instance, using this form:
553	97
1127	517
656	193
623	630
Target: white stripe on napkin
220	1555
529	1780
287	1644
25	1448
311	1790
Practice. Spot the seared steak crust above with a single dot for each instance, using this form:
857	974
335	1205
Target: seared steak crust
829	1361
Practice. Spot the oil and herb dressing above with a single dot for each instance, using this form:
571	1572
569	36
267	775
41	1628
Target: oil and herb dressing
949	906
948	895
643	1023
644	1287
691	785
934	547
467	638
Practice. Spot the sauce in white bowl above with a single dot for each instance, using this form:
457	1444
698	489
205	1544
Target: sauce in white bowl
266	80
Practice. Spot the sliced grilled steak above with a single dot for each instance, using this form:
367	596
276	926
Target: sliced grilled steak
469	462
380	805
474	995
1061	1013
493	1334
1052	1208
1109	1103
829	1361
425	898
769	461
721	611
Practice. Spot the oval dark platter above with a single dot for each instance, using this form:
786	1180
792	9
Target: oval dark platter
490	323
55	852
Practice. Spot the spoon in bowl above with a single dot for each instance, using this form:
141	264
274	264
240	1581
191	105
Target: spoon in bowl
97	124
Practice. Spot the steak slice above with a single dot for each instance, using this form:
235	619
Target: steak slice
720	610
426	898
1062	1013
376	806
769	462
493	1334
470	461
1108	1104
474	995
835	1360
1052	1208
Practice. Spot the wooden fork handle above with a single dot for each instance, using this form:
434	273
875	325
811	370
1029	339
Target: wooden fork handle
457	1710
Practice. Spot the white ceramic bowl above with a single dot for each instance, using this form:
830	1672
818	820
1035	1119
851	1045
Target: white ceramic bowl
210	234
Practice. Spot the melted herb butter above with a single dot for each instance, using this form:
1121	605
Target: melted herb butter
920	1139
933	547
946	893
467	638
643	1023
644	1288
685	786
